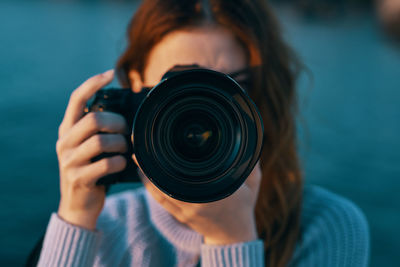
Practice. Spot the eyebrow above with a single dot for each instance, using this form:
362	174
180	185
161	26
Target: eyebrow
245	71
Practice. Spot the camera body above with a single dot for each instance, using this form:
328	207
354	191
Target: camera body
126	103
196	135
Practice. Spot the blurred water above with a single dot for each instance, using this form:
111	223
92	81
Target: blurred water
351	131
349	122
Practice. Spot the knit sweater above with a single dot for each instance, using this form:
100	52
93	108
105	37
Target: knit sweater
135	230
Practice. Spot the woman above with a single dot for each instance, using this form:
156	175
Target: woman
269	221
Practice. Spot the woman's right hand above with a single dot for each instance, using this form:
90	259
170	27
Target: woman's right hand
78	142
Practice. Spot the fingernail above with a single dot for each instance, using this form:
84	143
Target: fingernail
108	73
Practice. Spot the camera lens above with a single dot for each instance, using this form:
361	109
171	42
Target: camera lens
197	136
194	136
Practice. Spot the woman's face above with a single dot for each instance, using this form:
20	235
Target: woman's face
209	47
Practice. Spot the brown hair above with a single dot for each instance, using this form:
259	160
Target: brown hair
252	22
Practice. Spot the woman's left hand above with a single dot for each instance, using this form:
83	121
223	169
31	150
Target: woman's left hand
227	221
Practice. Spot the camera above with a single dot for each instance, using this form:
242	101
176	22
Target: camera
196	135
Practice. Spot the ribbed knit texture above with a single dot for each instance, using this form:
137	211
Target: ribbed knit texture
135	230
237	255
334	232
68	245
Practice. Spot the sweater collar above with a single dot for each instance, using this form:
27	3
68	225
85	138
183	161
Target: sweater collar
177	233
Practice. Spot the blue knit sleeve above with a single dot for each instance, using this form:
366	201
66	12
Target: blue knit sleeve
334	232
68	245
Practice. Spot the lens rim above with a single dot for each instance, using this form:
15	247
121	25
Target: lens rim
249	119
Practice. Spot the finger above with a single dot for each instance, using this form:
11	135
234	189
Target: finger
89	174
81	95
93	123
97	144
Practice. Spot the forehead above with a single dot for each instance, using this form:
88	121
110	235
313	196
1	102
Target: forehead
213	47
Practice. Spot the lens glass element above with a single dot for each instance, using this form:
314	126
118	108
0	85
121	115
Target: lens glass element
195	135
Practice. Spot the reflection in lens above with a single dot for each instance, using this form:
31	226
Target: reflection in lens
195	135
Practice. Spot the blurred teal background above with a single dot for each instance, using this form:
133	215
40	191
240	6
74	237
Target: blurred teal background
349	123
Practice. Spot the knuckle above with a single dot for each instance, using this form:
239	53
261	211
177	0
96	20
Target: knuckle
94	120
106	165
65	163
74	96
112	165
72	176
98	141
92	80
60	130
75	178
59	146
96	79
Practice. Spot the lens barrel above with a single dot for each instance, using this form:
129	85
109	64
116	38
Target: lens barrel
197	135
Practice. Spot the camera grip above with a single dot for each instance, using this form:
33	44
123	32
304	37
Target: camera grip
129	174
125	103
